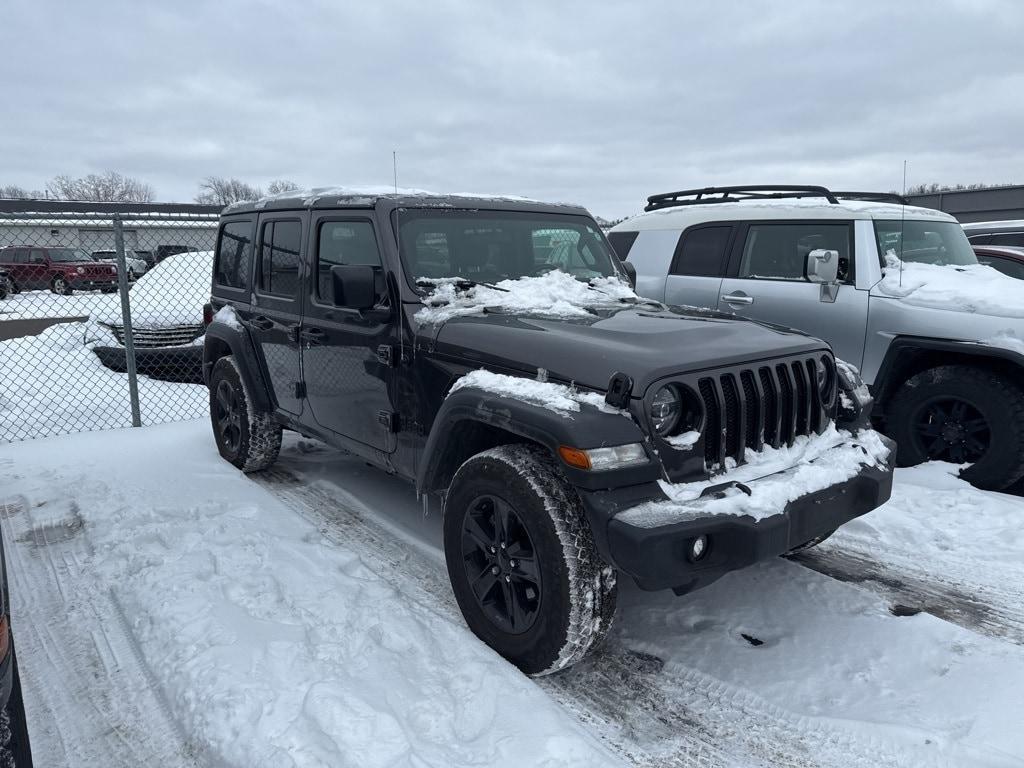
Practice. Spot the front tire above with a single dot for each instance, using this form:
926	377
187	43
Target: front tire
522	561
248	438
962	415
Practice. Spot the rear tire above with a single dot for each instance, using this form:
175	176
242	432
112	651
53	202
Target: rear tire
61	286
545	599
248	438
962	415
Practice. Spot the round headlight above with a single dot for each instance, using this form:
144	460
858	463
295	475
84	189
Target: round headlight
80	270
666	406
826	374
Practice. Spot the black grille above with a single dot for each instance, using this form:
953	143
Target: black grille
753	407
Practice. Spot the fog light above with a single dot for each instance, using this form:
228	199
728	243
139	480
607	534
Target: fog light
699	547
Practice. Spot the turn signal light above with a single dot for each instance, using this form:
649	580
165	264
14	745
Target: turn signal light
574	457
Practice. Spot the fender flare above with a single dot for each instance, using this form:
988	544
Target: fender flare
901	345
239	343
587	428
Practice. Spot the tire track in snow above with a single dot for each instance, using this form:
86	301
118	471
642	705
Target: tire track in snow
647	715
106	710
943	597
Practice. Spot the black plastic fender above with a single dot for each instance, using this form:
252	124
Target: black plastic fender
589	427
238	343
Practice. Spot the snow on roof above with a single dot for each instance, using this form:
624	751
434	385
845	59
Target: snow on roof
986	225
555	294
776	476
801	207
973	288
559	398
368	194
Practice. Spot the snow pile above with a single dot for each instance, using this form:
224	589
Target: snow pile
1007	340
554	294
685	440
52	384
776	476
559	398
172	293
269	644
974	288
229	317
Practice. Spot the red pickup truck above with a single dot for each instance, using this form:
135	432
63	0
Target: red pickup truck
62	270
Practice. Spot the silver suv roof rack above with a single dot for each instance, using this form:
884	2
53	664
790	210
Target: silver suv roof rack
737	194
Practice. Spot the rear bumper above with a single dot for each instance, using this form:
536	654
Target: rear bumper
659	557
178	364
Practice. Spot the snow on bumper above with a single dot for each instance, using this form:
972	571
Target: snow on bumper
777	501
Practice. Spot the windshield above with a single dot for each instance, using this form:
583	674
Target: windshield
491	246
926	242
69	254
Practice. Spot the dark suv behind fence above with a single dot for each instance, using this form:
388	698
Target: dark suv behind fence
492	352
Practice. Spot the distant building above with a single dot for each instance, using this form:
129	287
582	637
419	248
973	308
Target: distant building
147	226
967	205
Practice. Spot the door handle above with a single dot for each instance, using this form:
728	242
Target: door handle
261	323
312	336
737	298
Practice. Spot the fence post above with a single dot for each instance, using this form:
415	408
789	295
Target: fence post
126	317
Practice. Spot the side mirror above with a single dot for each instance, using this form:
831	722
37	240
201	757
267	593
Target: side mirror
823	266
354	286
630	273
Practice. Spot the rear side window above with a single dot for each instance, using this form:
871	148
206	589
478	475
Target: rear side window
980	239
701	252
279	258
774	251
234	254
622	242
1007	238
343	242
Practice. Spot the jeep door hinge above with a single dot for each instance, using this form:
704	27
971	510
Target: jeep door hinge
386	355
390	420
300	390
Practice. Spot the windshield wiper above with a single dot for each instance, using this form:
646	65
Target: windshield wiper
463	283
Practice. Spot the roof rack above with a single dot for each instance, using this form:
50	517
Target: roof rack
737	194
874	197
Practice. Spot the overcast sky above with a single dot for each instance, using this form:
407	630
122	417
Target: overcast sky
601	104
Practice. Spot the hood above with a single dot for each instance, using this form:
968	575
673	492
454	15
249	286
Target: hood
975	288
641	341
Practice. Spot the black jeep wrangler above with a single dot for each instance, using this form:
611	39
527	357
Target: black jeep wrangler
492	352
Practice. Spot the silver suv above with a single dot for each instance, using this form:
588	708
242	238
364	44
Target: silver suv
895	289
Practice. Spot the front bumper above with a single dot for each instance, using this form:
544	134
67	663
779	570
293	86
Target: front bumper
93	284
177	364
658	557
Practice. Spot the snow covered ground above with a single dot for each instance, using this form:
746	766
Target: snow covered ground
170	611
52	384
31	304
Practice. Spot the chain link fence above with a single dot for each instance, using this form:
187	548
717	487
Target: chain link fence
101	320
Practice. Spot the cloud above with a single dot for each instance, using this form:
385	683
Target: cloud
601	104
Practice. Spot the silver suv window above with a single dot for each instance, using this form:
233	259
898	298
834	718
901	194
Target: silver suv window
926	242
778	251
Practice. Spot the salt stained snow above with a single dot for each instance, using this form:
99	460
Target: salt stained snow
974	288
776	476
554	294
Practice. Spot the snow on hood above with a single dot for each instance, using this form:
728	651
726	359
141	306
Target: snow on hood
559	398
776	476
974	288
171	293
555	294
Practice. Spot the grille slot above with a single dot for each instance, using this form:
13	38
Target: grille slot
771	407
712	423
753	403
733	417
803	399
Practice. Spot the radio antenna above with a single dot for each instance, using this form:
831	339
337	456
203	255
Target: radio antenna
903	218
394	166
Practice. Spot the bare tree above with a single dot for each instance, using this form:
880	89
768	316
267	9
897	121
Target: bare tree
102	188
14	192
281	185
216	190
930	189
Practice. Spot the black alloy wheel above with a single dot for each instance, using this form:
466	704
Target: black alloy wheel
501	564
228	415
951	429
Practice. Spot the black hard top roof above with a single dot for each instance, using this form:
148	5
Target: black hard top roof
334	197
